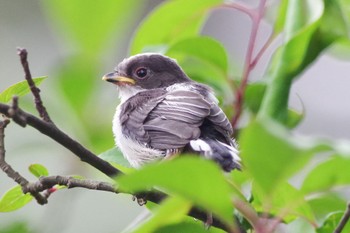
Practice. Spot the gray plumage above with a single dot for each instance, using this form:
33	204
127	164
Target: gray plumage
163	112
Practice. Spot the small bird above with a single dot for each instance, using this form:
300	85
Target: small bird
162	113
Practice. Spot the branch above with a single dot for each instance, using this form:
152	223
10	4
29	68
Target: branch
240	7
249	63
47	182
23	118
249	213
10	172
23	54
343	220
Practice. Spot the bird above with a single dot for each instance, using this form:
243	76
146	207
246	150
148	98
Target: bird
164	113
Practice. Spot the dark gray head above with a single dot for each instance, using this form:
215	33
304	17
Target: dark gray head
147	71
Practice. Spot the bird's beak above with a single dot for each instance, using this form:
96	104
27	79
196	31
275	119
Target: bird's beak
115	78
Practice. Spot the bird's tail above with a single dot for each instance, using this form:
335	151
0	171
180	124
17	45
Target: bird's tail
227	156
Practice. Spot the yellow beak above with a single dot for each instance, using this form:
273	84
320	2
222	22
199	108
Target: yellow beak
115	78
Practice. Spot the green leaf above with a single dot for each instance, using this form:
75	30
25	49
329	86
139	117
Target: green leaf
326	203
332	222
204	60
92	26
310	27
116	158
19	89
286	202
38	170
334	172
253	96
271	155
171	211
281	16
184	227
198	180
294	118
204	72
172	21
334	24
14	199
301	21
204	48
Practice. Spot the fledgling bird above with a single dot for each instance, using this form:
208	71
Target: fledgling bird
162	112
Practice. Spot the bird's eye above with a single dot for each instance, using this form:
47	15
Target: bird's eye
141	72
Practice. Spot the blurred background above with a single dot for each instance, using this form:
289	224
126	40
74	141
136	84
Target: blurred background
74	43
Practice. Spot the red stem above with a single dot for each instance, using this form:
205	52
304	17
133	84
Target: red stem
262	50
241	8
256	16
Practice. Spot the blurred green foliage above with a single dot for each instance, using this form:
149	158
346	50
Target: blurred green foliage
271	154
90	28
16	227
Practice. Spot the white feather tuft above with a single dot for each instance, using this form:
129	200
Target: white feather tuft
233	151
201	146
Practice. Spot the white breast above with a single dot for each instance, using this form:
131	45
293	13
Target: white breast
136	153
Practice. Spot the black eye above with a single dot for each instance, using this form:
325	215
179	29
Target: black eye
141	72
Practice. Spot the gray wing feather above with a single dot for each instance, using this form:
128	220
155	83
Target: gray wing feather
170	120
176	120
220	121
135	111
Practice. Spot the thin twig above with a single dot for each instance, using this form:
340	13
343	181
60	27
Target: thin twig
23	54
267	44
250	215
23	118
248	64
10	172
47	182
240	7
343	220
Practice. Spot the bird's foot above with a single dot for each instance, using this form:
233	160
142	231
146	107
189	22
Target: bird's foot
209	222
141	199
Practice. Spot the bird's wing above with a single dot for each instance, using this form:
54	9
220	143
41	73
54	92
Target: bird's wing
219	120
134	112
170	120
176	119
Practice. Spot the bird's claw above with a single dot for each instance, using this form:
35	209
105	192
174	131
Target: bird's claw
209	222
140	200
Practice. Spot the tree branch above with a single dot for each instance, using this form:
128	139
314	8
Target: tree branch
343	220
250	62
23	54
47	182
23	118
10	172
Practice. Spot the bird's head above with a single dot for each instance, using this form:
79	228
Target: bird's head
147	71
